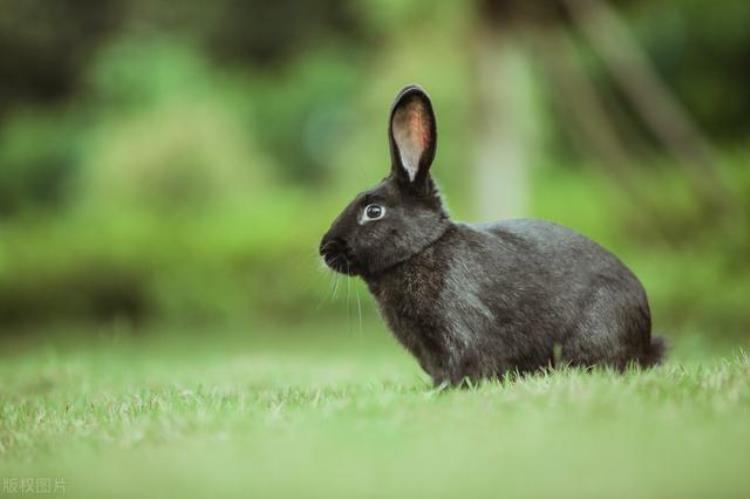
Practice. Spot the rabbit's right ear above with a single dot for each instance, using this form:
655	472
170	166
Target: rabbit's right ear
412	133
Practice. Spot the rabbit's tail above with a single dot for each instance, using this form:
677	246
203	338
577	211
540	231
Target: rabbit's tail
655	352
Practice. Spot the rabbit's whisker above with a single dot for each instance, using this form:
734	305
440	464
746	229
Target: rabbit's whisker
348	293
359	308
336	280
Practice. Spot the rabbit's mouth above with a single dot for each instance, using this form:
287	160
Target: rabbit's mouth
338	256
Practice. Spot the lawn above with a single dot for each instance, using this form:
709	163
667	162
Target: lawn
338	410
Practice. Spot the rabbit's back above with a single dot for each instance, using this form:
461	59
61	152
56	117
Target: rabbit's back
558	254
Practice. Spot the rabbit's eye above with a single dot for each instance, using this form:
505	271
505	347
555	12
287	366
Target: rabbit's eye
373	212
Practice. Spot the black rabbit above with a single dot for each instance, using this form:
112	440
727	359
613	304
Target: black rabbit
478	301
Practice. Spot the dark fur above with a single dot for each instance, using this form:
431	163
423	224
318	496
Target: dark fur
477	301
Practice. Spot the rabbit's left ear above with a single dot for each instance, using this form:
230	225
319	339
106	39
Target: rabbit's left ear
412	134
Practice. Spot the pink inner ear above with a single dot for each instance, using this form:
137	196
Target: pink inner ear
411	131
418	125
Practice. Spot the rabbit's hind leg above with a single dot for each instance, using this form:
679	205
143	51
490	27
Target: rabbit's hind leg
610	332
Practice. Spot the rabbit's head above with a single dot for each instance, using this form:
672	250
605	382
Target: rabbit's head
401	215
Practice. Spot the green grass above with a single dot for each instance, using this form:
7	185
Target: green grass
341	411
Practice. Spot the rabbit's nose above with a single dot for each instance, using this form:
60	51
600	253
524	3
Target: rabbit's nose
326	245
330	246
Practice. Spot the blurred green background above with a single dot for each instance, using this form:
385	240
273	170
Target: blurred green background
177	162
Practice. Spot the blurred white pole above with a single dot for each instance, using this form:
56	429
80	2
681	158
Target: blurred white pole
504	122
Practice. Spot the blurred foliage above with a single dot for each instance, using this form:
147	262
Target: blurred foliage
38	153
180	161
135	265
702	54
164	140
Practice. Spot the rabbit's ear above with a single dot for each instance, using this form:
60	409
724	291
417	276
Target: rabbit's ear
412	134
